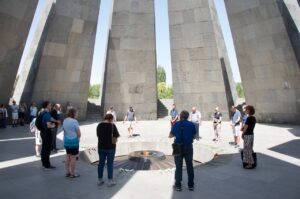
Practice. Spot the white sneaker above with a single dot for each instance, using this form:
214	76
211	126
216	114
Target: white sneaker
111	183
100	182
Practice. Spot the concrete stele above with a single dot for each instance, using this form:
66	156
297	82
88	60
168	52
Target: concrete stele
66	59
201	71
267	56
131	60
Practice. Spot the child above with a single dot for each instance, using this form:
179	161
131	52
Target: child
38	139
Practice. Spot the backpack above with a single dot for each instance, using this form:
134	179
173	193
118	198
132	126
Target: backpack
39	121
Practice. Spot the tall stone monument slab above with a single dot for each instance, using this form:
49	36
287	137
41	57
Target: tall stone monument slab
202	74
26	79
265	40
131	60
66	58
15	20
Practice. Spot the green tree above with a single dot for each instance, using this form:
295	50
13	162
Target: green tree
94	91
164	91
240	90
161	74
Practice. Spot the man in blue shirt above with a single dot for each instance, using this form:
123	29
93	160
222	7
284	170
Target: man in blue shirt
173	115
184	132
46	136
236	126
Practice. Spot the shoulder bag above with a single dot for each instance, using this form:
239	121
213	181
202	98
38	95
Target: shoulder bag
178	147
114	140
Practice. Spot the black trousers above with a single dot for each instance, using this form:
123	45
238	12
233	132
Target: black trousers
46	147
54	135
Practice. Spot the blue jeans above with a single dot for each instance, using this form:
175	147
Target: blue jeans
188	156
109	155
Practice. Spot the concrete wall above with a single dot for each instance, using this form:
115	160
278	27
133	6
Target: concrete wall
197	48
131	60
268	66
25	83
15	20
290	12
66	59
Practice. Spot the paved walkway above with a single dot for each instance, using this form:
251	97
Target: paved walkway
277	174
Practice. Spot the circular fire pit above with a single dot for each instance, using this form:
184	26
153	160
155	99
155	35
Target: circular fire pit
146	155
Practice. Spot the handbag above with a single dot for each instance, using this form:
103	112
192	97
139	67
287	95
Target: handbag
178	147
114	140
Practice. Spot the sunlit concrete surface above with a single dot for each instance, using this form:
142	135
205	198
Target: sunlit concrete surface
277	174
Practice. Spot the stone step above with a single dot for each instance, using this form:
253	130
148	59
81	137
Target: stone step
162	110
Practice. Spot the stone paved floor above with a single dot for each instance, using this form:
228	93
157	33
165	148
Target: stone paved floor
277	174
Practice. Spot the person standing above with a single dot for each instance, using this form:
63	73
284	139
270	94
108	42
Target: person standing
184	132
236	126
217	120
113	112
248	137
107	134
46	135
130	117
38	139
72	136
22	113
195	117
14	114
173	115
3	116
56	118
244	114
33	111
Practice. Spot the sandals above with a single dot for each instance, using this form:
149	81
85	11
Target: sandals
69	175
74	176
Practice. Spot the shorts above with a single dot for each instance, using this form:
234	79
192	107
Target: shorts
236	130
130	124
38	139
15	116
72	151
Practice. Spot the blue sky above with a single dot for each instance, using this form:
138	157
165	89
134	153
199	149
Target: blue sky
162	38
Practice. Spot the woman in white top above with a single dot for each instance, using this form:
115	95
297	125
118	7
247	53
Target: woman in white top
72	136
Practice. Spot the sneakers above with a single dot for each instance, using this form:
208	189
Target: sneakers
111	183
176	188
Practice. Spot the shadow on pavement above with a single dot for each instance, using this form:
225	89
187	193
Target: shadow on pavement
291	148
19	143
225	178
295	131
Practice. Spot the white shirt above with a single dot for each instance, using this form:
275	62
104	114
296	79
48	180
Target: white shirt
33	111
113	113
4	111
195	117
